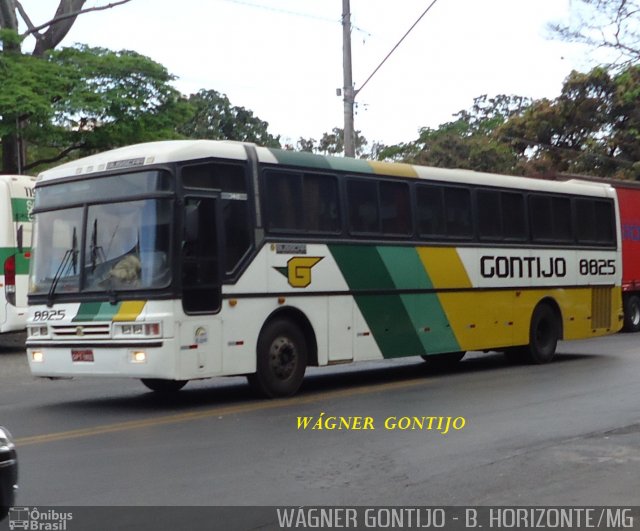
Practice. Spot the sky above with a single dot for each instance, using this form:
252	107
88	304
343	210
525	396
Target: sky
282	59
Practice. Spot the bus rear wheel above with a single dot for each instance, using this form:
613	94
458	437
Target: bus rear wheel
164	386
544	333
281	360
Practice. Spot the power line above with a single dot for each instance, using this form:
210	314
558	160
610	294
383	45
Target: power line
396	46
283	11
294	13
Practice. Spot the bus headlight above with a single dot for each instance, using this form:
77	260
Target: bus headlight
37	356
138	356
137	330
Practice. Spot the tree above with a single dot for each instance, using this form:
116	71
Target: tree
593	127
14	120
81	100
333	143
612	25
213	117
469	142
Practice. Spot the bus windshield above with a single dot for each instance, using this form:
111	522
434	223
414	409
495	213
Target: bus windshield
125	247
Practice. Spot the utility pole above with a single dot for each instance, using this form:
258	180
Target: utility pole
348	90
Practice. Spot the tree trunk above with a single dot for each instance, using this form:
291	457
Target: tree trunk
10	154
58	30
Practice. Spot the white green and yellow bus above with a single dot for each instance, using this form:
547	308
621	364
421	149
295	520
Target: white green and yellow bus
181	260
16	203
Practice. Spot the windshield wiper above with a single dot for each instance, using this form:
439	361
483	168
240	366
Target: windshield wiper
70	259
97	252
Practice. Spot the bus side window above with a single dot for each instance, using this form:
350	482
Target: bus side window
489	215
235	214
284	200
457	204
550	218
430	211
395	208
231	180
320	202
364	216
594	221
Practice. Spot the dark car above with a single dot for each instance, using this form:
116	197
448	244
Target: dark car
8	472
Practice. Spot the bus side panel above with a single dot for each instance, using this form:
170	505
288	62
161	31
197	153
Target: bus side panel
16	203
7	246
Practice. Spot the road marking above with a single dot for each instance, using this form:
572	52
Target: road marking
215	412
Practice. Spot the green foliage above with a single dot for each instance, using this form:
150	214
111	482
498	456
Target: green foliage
592	127
211	116
85	99
333	144
27	87
76	101
468	142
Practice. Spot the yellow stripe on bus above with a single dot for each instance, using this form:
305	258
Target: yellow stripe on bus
129	310
444	267
394	169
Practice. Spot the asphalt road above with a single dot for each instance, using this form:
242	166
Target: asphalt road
566	433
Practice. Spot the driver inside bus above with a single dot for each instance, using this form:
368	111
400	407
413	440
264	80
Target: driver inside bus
126	270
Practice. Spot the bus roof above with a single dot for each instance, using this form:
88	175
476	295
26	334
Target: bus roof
169	151
20	179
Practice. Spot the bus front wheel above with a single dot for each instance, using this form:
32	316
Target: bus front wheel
281	360
164	386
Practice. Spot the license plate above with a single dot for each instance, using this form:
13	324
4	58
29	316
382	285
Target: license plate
82	355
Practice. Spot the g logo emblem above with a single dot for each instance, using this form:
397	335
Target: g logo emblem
298	270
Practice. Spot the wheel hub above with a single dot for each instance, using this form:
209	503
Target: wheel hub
282	357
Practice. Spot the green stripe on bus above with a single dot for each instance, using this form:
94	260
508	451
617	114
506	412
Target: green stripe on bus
351	165
424	309
96	311
318	162
21	209
386	315
297	158
402	324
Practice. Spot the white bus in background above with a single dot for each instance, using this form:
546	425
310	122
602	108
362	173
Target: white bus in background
16	203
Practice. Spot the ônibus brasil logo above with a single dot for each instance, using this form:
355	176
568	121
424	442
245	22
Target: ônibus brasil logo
34	519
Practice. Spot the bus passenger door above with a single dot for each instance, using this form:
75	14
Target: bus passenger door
201	285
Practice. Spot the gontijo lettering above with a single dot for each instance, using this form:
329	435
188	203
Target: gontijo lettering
522	267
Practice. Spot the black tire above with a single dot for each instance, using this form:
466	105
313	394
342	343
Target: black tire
164	386
443	362
281	360
632	313
544	333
